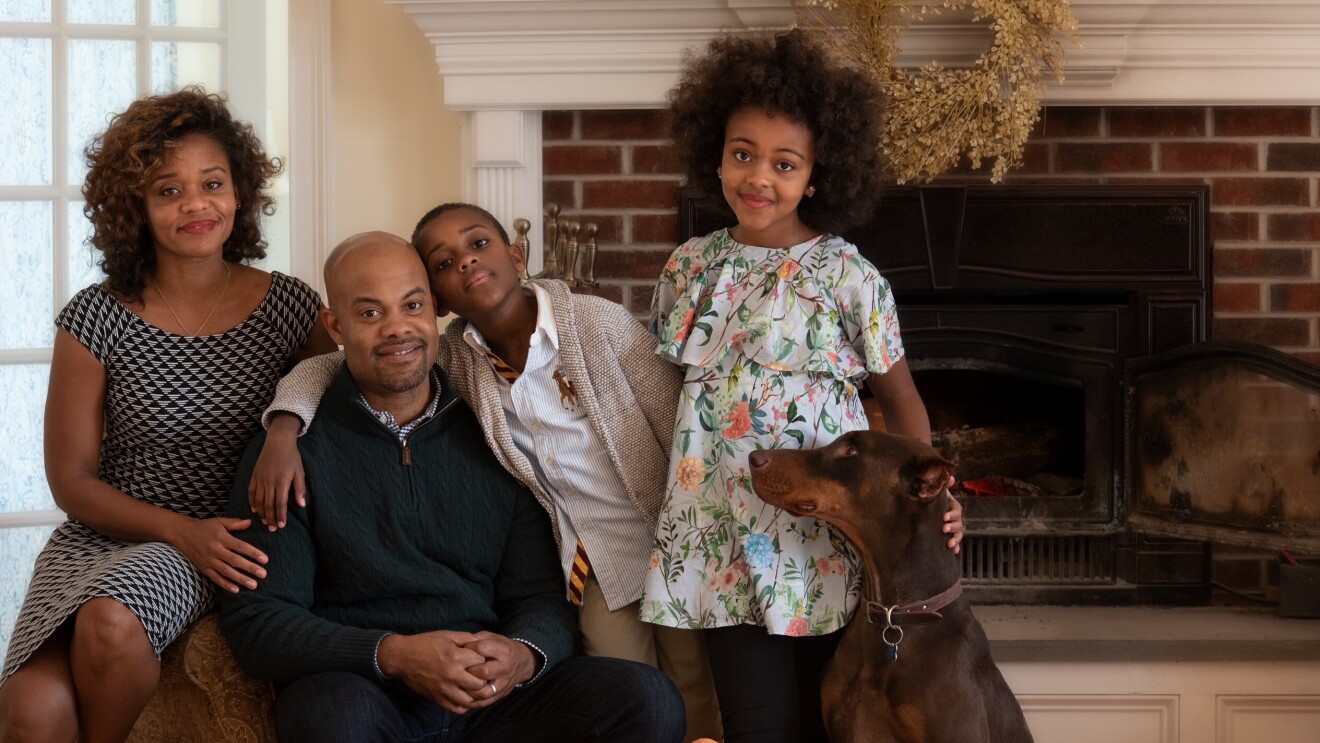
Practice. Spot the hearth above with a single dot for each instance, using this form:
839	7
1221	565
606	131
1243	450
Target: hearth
1032	317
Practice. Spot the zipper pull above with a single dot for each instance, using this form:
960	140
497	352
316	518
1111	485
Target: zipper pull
407	454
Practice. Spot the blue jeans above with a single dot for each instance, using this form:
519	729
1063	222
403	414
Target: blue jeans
578	701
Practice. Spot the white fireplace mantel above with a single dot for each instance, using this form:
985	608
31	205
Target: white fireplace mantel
575	54
504	61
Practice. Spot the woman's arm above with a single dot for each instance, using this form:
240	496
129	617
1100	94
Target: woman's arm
75	420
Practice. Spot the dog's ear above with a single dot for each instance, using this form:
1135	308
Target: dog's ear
928	477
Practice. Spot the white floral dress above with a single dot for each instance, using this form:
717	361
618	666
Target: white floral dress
774	343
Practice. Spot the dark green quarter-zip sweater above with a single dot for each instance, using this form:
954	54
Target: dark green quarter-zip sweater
434	535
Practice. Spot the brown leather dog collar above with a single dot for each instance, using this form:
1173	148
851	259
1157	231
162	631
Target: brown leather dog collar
891	619
924	611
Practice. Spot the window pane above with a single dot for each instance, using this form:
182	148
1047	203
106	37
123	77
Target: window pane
24	10
102	81
174	65
83	258
116	12
18	549
25	99
25	251
191	13
22	408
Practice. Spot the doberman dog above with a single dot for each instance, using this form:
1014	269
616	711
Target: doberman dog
914	665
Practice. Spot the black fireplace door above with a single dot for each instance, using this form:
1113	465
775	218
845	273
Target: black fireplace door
1223	444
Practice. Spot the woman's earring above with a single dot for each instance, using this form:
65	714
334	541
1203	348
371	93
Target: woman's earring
811	191
718	174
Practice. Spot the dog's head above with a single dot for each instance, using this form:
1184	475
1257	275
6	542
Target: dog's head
863	476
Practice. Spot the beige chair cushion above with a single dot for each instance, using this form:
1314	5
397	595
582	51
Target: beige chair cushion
204	696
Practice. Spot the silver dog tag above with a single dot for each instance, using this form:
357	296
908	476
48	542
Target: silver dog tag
891	652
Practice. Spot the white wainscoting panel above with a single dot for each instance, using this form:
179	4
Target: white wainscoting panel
1101	719
1276	719
1169	701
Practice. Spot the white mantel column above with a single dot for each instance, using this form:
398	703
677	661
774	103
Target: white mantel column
502	154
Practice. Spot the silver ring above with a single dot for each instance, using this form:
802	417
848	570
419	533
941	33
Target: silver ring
493	690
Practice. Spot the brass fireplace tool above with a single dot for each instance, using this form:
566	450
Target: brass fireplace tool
561	239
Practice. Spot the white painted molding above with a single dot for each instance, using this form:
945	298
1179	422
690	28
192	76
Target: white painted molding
311	156
576	54
22	519
245	74
1244	719
1141	717
502	153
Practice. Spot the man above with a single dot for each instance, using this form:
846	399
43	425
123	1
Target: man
418	596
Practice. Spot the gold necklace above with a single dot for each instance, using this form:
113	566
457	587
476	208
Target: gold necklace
214	307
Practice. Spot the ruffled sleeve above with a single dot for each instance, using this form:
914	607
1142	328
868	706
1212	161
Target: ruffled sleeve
818	308
681	290
867	313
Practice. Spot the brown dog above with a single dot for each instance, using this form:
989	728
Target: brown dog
914	665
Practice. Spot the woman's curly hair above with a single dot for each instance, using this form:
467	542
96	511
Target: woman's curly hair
790	74
121	160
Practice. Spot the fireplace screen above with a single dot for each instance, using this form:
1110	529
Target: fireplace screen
1224	443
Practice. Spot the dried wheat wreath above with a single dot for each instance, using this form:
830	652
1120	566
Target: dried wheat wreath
936	114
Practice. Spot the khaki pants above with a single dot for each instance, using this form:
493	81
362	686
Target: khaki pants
679	653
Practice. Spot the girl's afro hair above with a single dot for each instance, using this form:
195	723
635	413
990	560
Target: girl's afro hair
790	74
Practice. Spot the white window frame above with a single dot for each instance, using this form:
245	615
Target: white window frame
311	161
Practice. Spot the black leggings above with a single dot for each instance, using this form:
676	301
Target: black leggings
769	685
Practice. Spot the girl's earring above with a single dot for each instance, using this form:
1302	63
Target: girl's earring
718	174
811	191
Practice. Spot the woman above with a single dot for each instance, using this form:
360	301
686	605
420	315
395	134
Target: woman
158	380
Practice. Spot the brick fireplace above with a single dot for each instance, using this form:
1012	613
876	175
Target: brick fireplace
1261	166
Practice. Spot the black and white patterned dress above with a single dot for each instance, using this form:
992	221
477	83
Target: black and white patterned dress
178	413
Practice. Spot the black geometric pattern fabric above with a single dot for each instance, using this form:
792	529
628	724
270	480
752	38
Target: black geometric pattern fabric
178	413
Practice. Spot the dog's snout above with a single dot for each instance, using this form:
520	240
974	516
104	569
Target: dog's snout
758	458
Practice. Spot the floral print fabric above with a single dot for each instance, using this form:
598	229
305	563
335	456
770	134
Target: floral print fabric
773	343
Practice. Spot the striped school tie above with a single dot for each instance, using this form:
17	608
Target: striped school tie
506	372
577	577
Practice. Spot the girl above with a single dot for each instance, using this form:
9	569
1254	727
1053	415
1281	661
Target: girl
774	322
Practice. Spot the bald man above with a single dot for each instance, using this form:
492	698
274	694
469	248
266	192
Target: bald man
418	595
